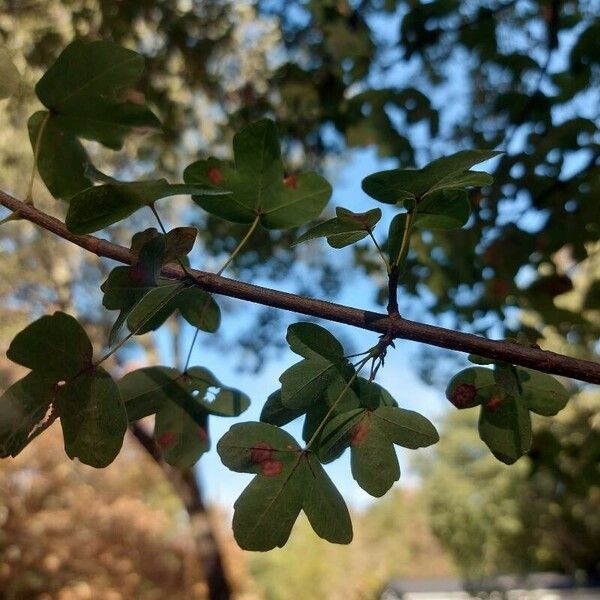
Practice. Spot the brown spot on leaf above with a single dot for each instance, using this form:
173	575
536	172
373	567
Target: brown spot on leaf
359	432
291	181
463	395
166	439
261	452
215	175
271	467
493	404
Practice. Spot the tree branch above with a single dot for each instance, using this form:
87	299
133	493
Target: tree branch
541	360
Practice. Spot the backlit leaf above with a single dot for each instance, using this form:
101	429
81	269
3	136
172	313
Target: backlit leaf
257	182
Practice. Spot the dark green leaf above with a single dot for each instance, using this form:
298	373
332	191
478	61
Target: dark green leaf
446	209
446	173
23	407
313	341
87	70
303	383
275	413
258	184
93	418
182	439
288	480
472	387
541	393
82	91
345	229
371	435
61	160
99	206
505	427
56	346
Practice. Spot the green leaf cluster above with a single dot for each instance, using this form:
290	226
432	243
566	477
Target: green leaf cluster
63	382
257	182
182	403
84	94
146	301
341	410
434	197
506	395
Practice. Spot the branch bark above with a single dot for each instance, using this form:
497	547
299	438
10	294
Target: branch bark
541	360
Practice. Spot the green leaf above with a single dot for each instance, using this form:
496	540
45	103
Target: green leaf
288	481
395	235
303	383
56	346
126	286
506	377
276	413
313	341
541	393
10	78
373	459
505	427
181	439
93	418
196	306
345	229
372	395
145	391
226	402
371	435
257	183
99	206
23	407
82	91
87	70
198	392
446	173
472	386
61	159
446	209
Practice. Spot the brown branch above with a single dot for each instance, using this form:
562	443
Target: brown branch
541	360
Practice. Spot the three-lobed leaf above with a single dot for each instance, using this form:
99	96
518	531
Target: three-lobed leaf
371	435
287	481
82	91
257	183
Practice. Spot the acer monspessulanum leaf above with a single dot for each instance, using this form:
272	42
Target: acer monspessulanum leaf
341	404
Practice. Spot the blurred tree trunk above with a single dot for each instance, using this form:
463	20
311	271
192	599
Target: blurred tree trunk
186	485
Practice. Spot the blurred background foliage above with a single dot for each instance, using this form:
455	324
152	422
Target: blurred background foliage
411	81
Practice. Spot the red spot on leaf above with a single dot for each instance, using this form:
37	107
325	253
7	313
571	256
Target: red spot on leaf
261	452
493	404
463	395
166	439
202	434
215	175
271	467
359	432
291	181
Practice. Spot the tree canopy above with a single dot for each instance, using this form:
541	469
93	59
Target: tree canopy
279	89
